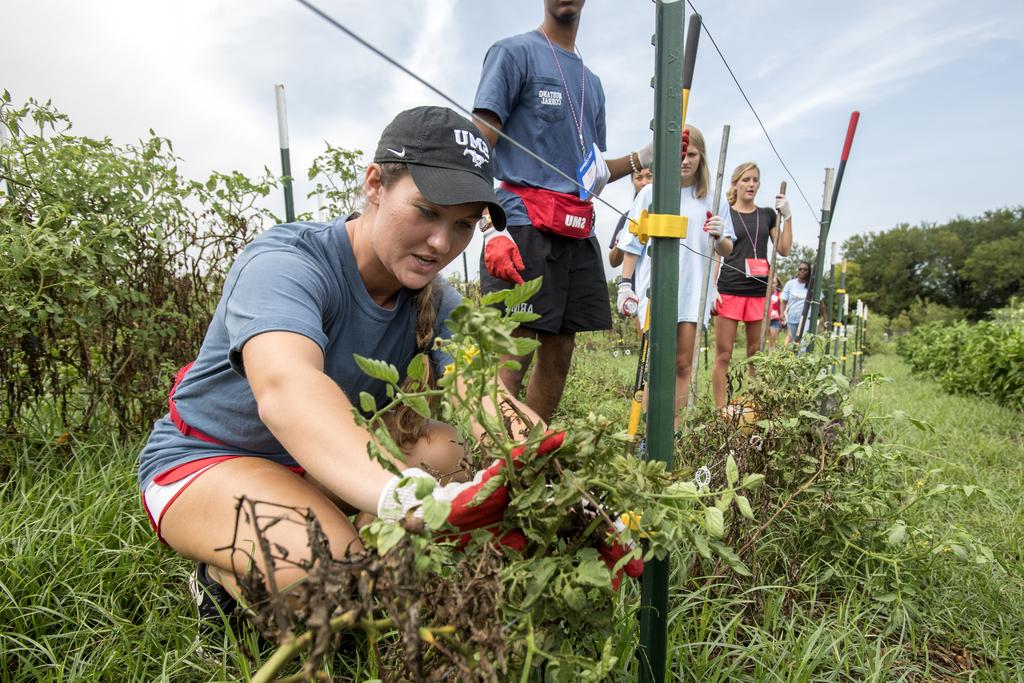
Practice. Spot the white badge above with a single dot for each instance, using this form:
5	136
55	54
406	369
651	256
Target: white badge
592	174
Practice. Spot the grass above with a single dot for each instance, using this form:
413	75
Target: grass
87	594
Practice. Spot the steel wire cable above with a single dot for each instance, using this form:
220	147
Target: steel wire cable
501	134
754	111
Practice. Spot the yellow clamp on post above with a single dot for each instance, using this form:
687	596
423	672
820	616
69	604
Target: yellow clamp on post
840	291
658	225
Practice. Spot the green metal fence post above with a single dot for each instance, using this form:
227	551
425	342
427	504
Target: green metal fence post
832	300
286	161
671	88
823	228
844	311
858	339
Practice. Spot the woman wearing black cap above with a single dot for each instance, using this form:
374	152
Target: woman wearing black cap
265	410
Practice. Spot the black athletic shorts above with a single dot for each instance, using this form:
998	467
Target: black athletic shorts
574	296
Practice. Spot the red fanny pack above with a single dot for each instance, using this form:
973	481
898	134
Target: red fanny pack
554	212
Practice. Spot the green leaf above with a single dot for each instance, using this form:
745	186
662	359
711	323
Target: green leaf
495	297
520	294
388	537
435	512
489	487
752	481
367	403
732	472
523	317
417	368
744	506
524	345
419	404
378	369
701	544
684	489
731	558
424	486
714	522
897	534
542	571
593	573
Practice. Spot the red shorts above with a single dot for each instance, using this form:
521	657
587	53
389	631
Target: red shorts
746	309
165	488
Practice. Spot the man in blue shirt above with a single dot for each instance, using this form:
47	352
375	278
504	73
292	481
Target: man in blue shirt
535	88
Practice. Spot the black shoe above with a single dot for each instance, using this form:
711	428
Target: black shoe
213	602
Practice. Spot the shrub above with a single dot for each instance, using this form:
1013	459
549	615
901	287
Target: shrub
111	264
985	358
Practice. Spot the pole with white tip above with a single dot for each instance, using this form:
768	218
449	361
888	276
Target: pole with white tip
286	161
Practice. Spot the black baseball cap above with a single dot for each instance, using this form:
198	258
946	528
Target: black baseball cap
448	157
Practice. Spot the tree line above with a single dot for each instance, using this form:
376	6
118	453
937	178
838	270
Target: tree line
965	268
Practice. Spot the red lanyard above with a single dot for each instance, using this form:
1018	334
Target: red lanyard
577	120
757	227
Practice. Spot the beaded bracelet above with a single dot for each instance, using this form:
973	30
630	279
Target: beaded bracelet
632	165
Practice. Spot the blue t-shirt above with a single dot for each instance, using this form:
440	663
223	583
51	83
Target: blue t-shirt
301	278
522	85
794	294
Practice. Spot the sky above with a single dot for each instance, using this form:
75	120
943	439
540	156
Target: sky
938	83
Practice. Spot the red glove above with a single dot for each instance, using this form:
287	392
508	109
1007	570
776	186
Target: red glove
501	256
465	516
686	144
513	538
611	551
396	500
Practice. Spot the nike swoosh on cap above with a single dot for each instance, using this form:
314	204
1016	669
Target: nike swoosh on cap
395	152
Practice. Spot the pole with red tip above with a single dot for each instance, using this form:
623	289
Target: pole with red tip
810	312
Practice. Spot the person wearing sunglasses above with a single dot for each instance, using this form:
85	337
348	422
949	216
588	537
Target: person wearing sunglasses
794	295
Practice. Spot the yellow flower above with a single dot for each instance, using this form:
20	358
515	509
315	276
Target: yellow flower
631	520
469	353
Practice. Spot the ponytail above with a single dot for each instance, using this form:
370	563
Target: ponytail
405	424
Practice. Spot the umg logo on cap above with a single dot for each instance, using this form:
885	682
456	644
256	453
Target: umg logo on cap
474	147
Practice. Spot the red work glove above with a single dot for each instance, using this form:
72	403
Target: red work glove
612	554
513	538
611	551
501	256
396	499
713	225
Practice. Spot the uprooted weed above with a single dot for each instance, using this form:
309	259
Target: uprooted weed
443	627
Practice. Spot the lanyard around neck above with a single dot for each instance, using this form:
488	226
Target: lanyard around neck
577	120
757	227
